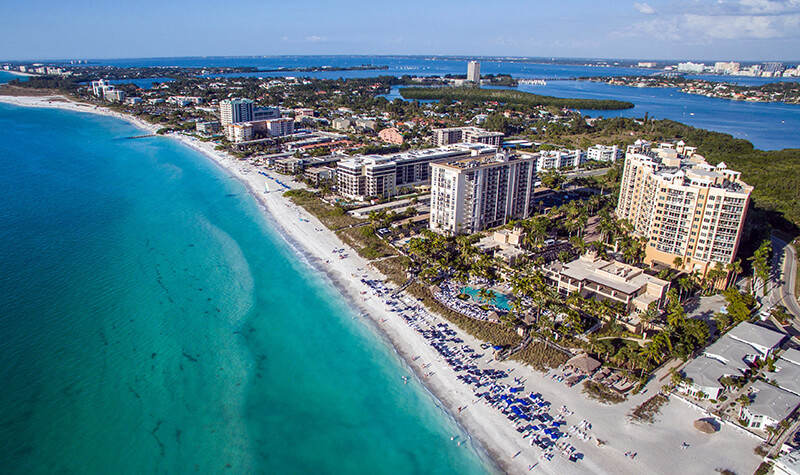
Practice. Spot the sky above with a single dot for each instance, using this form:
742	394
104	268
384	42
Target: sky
744	30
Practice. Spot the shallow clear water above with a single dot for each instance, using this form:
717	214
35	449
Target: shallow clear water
153	322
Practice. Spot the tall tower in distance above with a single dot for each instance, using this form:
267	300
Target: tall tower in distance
474	71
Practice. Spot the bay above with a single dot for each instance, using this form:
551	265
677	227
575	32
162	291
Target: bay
154	322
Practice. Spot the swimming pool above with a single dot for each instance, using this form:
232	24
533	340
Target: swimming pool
500	300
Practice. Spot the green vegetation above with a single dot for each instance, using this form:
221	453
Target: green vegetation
508	96
540	356
648	410
601	393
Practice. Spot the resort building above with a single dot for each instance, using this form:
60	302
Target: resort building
731	355
476	193
381	176
232	111
239	132
114	95
685	207
474	71
455	135
244	131
598	279
604	153
391	135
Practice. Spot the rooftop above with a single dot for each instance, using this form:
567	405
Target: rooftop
772	402
754	334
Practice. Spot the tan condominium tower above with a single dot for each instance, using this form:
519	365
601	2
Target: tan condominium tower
685	207
473	194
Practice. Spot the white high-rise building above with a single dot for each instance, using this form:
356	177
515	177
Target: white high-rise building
472	194
474	71
232	111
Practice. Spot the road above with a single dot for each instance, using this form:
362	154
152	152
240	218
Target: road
784	273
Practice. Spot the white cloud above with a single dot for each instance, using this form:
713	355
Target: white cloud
317	39
644	8
705	21
743	26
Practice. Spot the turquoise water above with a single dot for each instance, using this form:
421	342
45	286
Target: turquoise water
500	300
153	322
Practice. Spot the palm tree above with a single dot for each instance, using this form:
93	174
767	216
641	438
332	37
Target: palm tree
578	243
734	268
685	285
678	263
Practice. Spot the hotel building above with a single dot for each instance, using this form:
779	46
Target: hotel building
472	194
453	135
380	176
685	207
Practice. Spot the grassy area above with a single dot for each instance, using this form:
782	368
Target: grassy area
333	217
394	268
648	410
601	393
494	333
540	356
509	96
365	242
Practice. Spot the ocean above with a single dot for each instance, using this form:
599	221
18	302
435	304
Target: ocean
154	322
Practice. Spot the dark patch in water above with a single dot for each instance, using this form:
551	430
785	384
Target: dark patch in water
153	356
190	357
178	435
158	441
130	388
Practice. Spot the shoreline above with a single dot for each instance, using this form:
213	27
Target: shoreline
658	445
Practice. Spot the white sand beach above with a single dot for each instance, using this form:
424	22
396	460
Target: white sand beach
658	446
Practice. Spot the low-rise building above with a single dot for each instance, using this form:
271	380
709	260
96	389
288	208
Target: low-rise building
557	159
598	279
211	127
342	124
455	135
768	406
731	355
604	153
391	135
319	175
114	95
134	100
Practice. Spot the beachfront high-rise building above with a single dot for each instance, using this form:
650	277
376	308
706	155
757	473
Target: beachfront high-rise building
380	176
476	193
452	135
232	111
474	71
685	207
